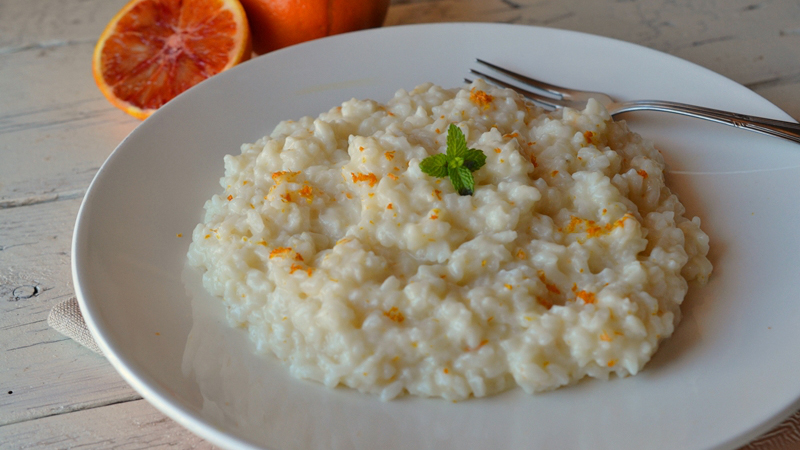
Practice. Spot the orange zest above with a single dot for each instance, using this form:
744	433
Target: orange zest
153	50
550	286
280	251
480	98
370	178
395	315
586	296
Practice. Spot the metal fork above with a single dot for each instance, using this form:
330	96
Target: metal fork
559	97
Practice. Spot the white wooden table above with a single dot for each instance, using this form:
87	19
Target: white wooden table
56	129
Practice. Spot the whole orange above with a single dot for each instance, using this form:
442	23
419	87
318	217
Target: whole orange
276	24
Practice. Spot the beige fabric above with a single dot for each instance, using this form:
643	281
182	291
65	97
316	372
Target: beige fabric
66	318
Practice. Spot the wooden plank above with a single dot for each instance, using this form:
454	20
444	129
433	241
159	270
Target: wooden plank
747	41
41	371
43	24
784	92
130	425
56	128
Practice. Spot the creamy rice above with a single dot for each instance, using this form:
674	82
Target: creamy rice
354	268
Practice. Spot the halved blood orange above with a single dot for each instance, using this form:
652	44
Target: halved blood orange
153	50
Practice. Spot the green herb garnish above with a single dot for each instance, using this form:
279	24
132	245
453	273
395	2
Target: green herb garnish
458	163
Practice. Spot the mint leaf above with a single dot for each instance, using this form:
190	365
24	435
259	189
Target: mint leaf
457	163
462	180
474	159
435	166
456	142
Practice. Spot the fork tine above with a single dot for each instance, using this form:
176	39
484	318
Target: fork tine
538	99
547	87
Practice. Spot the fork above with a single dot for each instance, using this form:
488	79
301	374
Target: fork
559	97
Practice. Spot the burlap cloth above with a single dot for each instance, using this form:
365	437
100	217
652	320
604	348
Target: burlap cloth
66	318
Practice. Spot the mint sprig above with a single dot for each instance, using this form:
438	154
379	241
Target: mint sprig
458	163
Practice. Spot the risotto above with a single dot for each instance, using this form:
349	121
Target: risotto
339	256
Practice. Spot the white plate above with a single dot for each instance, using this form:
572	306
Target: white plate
729	373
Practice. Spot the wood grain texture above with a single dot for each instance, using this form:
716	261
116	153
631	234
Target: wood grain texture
33	25
785	436
56	130
124	426
43	373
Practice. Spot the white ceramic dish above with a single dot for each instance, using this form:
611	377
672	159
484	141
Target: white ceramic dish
728	374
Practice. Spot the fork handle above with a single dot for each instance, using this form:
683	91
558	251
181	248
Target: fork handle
771	127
